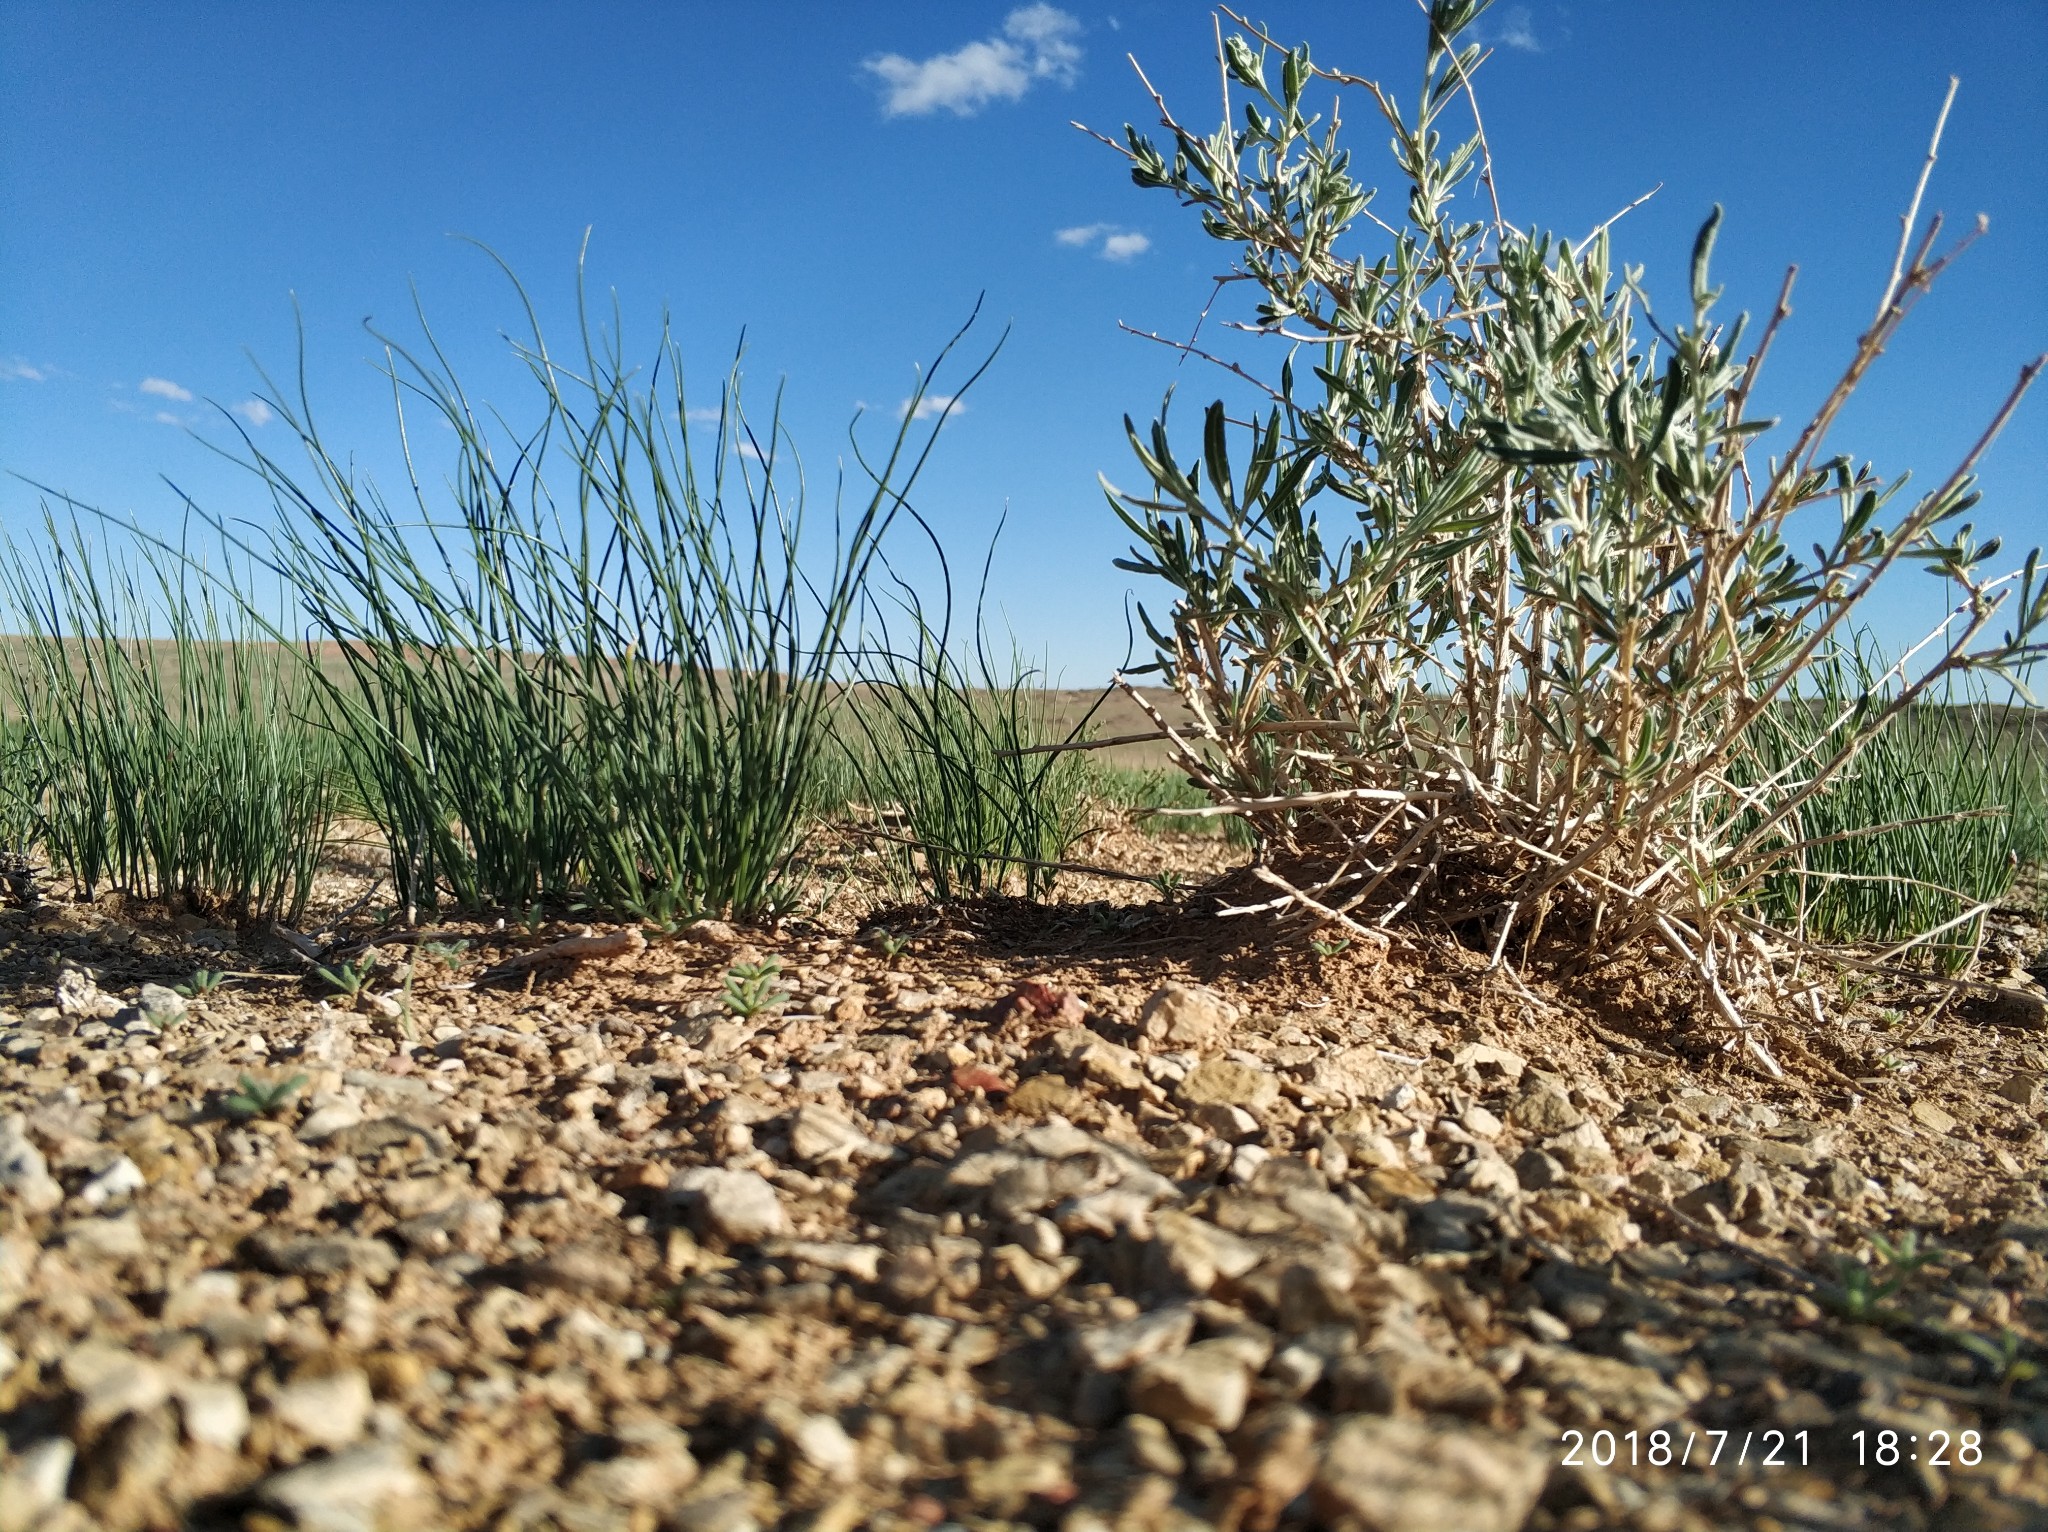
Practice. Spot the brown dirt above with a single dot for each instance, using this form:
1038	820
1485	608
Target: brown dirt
1369	1242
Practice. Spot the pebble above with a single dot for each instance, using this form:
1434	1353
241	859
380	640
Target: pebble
118	1180
162	1007
133	1457
1537	1170
584	1269
35	1484
1206	1385
1046	1095
330	1410
1113	1348
343	1493
1487	1061
110	1381
821	1444
1226	1082
1545	1111
820	1137
1187	1016
1396	1474
24	1174
737	1206
215	1412
323	1122
324	1255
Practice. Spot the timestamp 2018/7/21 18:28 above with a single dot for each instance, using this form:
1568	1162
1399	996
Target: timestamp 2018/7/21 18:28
1764	1449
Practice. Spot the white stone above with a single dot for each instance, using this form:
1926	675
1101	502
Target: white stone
111	1381
35	1484
214	1412
322	1123
822	1444
123	1178
737	1205
201	1296
24	1173
331	1410
818	1137
340	1493
1246	1160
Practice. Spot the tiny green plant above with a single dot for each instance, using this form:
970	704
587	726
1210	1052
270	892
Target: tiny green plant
889	943
1171	884
204	981
349	979
1863	1294
2002	1356
1331	947
259	1098
751	988
448	954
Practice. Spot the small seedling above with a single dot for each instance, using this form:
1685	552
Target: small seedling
2002	1356
1169	883
751	988
535	917
447	954
888	943
1329	949
1864	1294
259	1099
349	979
204	981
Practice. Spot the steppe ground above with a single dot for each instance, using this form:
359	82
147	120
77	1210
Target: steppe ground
1106	1213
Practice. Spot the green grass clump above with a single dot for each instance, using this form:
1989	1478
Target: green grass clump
599	668
1930	821
21	792
155	748
986	805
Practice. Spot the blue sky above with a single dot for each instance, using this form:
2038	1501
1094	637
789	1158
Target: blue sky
842	182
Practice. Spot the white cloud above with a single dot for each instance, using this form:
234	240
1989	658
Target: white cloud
1037	44
255	411
15	370
164	388
166	418
1117	244
704	417
932	404
748	449
1518	30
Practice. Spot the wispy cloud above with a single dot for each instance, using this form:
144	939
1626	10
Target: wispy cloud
1037	43
704	417
166	418
14	369
164	388
930	405
1518	30
1117	244
255	411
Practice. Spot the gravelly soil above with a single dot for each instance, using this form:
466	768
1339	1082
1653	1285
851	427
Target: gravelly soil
1079	1218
